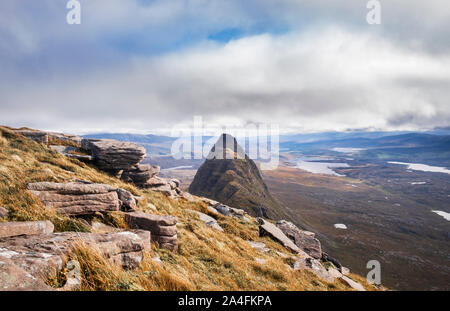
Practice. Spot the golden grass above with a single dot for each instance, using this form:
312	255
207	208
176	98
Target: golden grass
206	260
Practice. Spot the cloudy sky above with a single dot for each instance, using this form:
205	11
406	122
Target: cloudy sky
146	66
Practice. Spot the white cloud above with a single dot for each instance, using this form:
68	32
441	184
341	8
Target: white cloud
327	79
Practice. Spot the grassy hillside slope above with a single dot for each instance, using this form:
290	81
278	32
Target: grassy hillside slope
206	260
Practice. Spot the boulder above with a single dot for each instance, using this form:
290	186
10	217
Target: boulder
9	229
14	278
230	211
272	231
76	198
3	212
127	198
112	156
314	266
209	221
140	174
163	228
43	255
37	136
156	181
209	202
303	239
223	209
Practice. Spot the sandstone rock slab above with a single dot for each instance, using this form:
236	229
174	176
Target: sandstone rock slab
16	228
76	198
14	278
141	174
37	136
112	155
43	255
127	199
163	228
268	229
303	239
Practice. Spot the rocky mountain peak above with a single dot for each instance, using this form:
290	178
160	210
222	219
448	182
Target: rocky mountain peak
228	175
226	147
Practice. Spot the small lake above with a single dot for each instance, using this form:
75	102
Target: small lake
178	168
325	168
340	226
423	167
347	150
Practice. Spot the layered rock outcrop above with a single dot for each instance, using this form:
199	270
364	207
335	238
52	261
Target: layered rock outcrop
115	156
141	175
42	255
305	240
14	278
77	198
163	228
268	229
16	228
122	159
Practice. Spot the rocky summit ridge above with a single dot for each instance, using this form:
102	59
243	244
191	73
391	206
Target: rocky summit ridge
82	214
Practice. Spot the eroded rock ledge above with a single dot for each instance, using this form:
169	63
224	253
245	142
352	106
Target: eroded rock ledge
79	198
29	260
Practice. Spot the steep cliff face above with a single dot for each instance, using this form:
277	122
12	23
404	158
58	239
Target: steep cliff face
231	177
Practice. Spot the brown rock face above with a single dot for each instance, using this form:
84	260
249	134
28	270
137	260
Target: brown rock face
303	239
141	174
269	229
8	229
128	200
163	228
37	136
76	198
112	155
41	255
14	278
